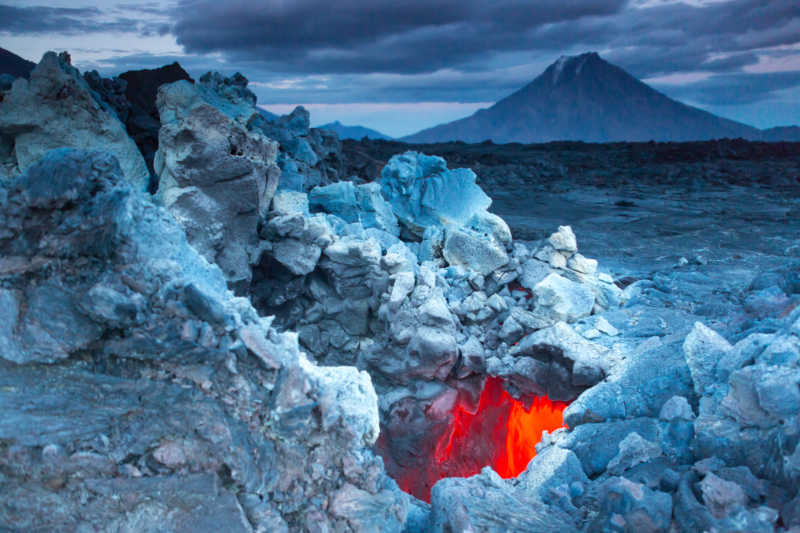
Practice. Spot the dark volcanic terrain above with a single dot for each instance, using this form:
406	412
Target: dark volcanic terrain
704	219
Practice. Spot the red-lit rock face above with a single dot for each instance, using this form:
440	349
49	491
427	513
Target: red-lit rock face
499	432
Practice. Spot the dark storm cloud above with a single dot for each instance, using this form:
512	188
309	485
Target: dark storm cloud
379	35
319	36
69	21
735	89
346	51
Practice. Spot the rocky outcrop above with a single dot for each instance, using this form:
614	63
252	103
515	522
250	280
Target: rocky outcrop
447	210
55	109
138	393
723	460
309	157
215	177
342	268
143	122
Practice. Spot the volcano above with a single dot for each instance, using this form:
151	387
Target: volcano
585	98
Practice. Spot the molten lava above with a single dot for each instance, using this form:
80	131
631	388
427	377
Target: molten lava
499	432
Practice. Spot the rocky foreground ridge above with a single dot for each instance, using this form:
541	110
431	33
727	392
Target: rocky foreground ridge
261	345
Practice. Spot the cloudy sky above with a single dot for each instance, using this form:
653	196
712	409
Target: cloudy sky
403	65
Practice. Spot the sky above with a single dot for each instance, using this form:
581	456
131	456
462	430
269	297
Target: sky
401	66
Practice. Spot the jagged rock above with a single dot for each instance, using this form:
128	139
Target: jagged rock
217	179
132	95
633	450
581	264
629	506
564	240
229	95
351	203
563	299
553	472
676	407
181	407
487	503
555	361
299	257
112	91
290	203
720	496
143	120
704	347
640	386
56	108
308	157
473	250
533	271
423	192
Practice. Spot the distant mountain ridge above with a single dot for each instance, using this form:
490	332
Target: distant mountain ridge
781	133
11	63
585	98
353	132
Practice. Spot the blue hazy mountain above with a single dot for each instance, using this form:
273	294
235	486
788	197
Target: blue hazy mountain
353	132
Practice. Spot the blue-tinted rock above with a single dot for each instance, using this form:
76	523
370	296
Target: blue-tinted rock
473	250
704	347
355	203
550	469
423	192
563	299
642	384
55	108
172	402
596	444
631	507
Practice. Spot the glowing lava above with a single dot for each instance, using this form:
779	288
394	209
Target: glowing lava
499	432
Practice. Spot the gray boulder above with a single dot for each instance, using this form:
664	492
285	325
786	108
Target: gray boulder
563	299
217	180
473	250
628	506
355	203
556	361
488	503
704	348
55	108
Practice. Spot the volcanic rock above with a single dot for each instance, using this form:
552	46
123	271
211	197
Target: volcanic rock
355	203
55	109
563	299
704	347
309	157
158	411
217	179
14	66
423	192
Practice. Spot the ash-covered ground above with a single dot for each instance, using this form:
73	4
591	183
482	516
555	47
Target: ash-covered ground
252	327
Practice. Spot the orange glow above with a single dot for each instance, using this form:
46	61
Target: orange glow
499	432
525	431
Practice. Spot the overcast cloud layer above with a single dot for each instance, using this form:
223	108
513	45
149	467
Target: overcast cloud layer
739	58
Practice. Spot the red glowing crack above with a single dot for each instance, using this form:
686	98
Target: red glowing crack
500	432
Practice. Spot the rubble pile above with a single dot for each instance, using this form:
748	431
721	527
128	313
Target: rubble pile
262	346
